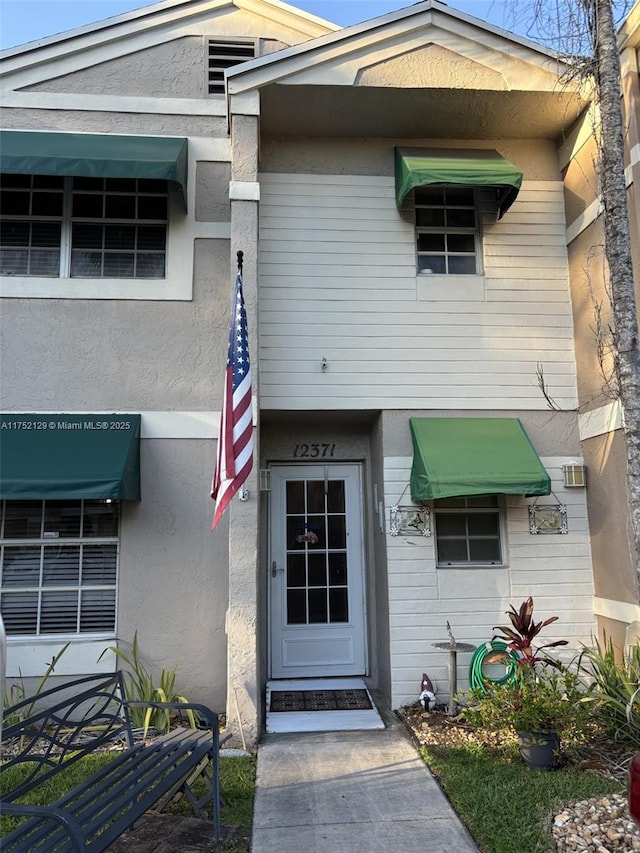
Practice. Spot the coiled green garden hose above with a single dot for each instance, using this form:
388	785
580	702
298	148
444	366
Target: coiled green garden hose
478	679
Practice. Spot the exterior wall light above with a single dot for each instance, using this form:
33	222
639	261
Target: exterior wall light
574	476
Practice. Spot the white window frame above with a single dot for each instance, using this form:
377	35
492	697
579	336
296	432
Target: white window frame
47	540
176	285
67	221
184	230
499	509
446	230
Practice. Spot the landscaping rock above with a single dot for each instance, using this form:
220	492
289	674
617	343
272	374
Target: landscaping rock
599	825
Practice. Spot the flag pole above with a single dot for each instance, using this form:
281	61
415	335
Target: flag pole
234	458
243	494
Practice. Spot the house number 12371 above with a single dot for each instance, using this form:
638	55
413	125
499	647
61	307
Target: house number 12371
314	451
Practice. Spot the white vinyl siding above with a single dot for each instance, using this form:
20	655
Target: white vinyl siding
338	280
555	569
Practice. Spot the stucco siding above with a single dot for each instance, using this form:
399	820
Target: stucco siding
603	445
212	192
130	121
173	586
175	68
605	456
592	314
337	280
580	180
160	57
554	569
339	155
112	355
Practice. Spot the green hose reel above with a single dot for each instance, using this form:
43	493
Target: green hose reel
493	652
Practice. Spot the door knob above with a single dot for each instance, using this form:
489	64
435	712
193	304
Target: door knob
275	569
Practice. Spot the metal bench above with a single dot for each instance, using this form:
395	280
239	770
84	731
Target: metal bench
51	732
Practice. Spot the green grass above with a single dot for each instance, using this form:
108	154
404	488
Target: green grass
505	804
237	783
238	788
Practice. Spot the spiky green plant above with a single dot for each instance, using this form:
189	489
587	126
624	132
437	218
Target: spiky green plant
17	691
616	679
140	686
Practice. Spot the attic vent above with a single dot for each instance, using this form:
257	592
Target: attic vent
225	54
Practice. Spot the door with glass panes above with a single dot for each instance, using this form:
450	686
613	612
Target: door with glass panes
316	571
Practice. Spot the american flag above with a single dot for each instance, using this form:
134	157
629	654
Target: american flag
235	442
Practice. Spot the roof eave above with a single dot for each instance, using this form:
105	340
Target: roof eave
629	33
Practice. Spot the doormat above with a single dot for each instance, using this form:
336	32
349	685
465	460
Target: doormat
320	700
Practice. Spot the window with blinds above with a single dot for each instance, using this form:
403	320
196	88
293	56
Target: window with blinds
225	54
75	227
59	567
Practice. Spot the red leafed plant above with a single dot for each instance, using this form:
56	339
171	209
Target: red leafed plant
523	632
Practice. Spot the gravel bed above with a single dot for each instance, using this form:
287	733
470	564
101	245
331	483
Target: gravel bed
599	825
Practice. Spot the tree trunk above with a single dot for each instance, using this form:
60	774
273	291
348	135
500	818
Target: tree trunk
618	242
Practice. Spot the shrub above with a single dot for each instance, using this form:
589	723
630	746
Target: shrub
544	695
549	699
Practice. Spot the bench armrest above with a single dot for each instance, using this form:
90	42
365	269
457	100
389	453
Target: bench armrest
68	823
208	717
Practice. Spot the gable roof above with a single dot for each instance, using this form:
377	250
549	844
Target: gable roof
423	71
159	16
334	56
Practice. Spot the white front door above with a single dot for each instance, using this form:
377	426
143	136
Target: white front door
316	571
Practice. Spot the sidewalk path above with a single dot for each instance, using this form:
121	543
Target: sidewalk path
351	792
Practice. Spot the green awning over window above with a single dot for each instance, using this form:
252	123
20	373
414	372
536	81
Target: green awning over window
456	457
69	456
419	167
92	155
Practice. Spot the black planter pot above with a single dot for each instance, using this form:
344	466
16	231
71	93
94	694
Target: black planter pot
539	749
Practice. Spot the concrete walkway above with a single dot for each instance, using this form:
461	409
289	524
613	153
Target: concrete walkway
351	792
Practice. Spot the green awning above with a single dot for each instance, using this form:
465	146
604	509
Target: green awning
462	167
69	456
92	155
456	457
